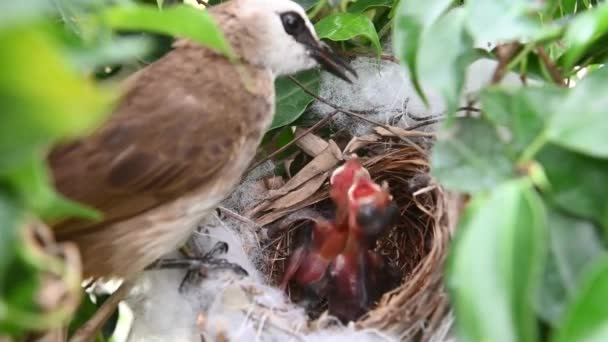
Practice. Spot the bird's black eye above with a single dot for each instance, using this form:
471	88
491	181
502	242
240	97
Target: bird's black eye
292	23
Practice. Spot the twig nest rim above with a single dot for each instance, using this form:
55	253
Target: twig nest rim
418	306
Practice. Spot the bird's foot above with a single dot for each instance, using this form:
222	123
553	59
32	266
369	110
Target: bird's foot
198	267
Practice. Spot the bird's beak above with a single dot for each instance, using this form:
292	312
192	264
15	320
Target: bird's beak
330	61
324	55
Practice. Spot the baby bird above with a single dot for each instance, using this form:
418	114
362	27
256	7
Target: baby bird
338	261
307	265
358	276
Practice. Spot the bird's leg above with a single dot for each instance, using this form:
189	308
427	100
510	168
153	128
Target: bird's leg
200	266
293	264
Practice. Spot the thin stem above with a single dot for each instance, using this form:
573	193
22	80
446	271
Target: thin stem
533	148
384	57
551	67
523	53
317	9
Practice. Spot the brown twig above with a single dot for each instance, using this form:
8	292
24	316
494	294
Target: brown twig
424	121
313	128
505	54
441	116
383	57
556	75
238	217
201	2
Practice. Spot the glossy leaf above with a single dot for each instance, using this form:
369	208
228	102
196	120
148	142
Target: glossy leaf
109	52
574	245
412	18
502	20
291	100
585	319
495	265
345	26
523	114
180	21
576	183
575	6
581	123
17	12
445	53
583	31
469	156
10	216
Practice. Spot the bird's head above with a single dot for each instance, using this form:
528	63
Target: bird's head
341	181
284	39
371	208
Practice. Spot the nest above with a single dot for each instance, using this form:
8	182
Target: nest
416	245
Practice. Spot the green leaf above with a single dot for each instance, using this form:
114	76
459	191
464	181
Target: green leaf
469	156
360	6
345	26
502	20
179	21
291	100
575	6
34	113
109	52
496	262
86	310
583	31
17	12
581	123
574	245
10	218
523	113
586	318
446	51
576	183
517	111
412	18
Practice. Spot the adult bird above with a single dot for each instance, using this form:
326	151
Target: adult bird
181	136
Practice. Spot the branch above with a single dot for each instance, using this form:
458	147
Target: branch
383	57
556	76
505	54
202	2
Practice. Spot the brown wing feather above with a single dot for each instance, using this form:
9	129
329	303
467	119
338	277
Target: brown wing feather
178	125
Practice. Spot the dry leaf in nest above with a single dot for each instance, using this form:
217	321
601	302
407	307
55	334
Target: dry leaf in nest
416	245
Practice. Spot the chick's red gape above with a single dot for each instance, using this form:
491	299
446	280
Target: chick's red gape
338	261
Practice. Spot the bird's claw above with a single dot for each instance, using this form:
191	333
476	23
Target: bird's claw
200	266
219	248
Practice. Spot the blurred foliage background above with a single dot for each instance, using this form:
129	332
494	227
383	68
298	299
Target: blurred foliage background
528	262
